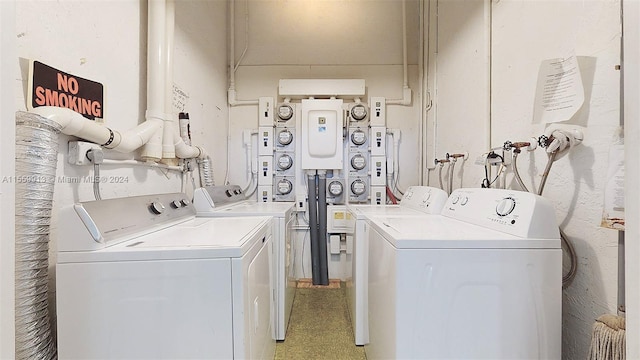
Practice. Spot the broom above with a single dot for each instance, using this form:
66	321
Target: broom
608	338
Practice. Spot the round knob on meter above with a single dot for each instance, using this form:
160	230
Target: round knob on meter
357	187
335	188
284	187
505	206
358	162
285	112
285	137
358	137
156	207
358	112
285	162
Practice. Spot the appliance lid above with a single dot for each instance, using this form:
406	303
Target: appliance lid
199	238
250	208
439	232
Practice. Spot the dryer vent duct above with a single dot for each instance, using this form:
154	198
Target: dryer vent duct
36	160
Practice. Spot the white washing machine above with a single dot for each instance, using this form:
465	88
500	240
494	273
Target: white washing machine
143	278
229	201
417	201
482	281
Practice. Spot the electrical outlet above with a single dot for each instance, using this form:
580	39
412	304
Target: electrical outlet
78	152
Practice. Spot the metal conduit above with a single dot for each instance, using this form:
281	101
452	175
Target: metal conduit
36	160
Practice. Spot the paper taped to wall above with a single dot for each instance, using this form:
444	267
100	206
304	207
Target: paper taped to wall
559	91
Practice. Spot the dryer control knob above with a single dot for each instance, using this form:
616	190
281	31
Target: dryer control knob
185	202
176	204
156	207
505	206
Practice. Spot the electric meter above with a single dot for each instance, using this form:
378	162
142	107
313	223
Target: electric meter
285	112
284	187
285	162
285	137
335	188
358	162
357	187
358	112
358	137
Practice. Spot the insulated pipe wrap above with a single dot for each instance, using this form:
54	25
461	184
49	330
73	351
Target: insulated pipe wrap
322	230
36	160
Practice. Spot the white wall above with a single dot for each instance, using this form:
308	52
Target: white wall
523	33
8	69
632	172
106	41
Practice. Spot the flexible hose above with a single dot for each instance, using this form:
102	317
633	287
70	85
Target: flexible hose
573	258
206	172
452	166
440	176
36	160
516	172
96	181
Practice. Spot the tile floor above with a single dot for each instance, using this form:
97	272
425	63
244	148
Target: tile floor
319	327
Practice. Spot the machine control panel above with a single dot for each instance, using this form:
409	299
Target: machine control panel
518	213
94	225
424	198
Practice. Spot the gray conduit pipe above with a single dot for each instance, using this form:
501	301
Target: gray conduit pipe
322	229
36	160
313	228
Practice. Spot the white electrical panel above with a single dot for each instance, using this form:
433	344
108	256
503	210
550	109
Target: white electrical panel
265	111
378	140
378	111
265	193
378	195
322	140
378	170
265	168
265	140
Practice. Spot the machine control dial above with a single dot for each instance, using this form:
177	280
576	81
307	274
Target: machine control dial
358	162
285	112
176	204
285	137
185	202
156	207
455	199
357	187
358	112
285	162
335	188
464	201
358	137
284	187
505	206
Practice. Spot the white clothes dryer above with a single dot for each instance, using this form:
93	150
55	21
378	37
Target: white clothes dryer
229	201
481	281
417	201
142	277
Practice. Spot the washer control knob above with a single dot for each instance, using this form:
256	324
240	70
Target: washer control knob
156	207
229	193
505	206
176	204
455	199
285	137
335	188
185	202
464	201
